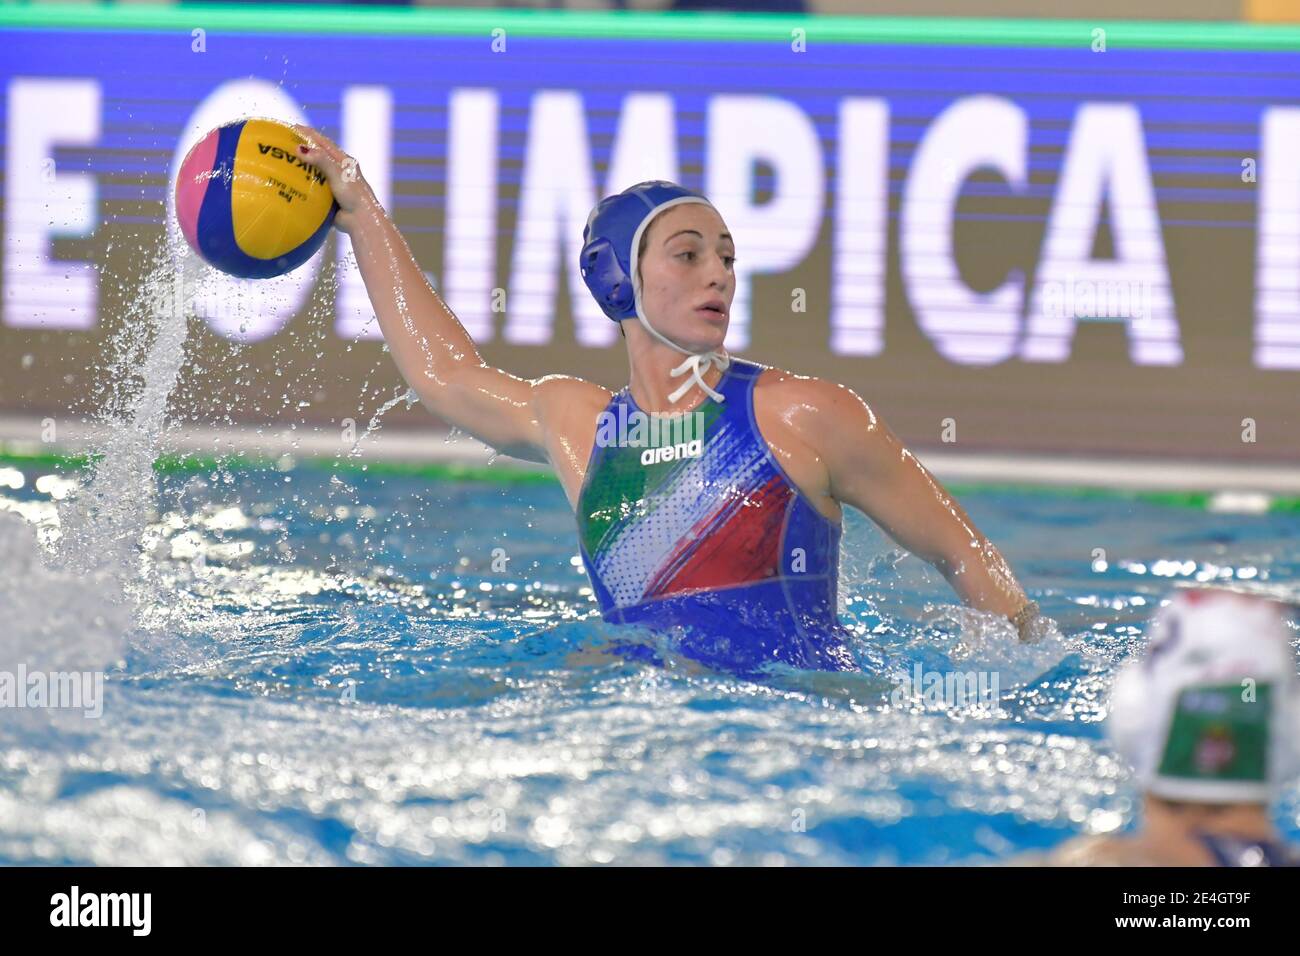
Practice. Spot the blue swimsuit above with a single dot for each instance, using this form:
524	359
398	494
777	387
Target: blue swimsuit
699	531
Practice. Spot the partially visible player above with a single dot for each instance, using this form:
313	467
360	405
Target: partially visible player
1208	720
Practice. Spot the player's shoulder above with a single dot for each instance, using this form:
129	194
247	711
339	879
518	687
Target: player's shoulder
1100	850
798	395
1090	851
555	395
1078	851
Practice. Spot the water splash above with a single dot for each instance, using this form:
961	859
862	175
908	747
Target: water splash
102	526
55	619
409	397
75	603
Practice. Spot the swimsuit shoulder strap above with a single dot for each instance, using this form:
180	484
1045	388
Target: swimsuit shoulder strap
745	371
737	385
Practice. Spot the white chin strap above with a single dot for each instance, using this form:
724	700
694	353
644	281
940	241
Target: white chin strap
694	363
697	362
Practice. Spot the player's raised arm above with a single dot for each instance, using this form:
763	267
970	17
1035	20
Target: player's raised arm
432	350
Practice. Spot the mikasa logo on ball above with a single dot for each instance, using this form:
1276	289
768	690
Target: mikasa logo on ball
279	153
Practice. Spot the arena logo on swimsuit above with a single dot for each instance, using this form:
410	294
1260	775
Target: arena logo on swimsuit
653	456
664	437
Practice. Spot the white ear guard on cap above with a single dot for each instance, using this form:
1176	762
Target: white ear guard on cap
1210	713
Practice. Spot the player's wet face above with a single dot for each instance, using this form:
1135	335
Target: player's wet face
688	278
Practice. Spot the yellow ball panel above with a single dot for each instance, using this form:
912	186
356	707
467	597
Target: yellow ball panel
278	200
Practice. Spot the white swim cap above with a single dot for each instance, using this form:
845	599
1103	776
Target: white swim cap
1210	714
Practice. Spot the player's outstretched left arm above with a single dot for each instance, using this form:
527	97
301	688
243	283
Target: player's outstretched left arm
870	469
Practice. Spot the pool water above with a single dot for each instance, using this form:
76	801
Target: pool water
329	665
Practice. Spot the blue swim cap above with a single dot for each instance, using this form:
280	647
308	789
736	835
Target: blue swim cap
612	236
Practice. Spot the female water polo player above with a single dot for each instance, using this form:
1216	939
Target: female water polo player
729	540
